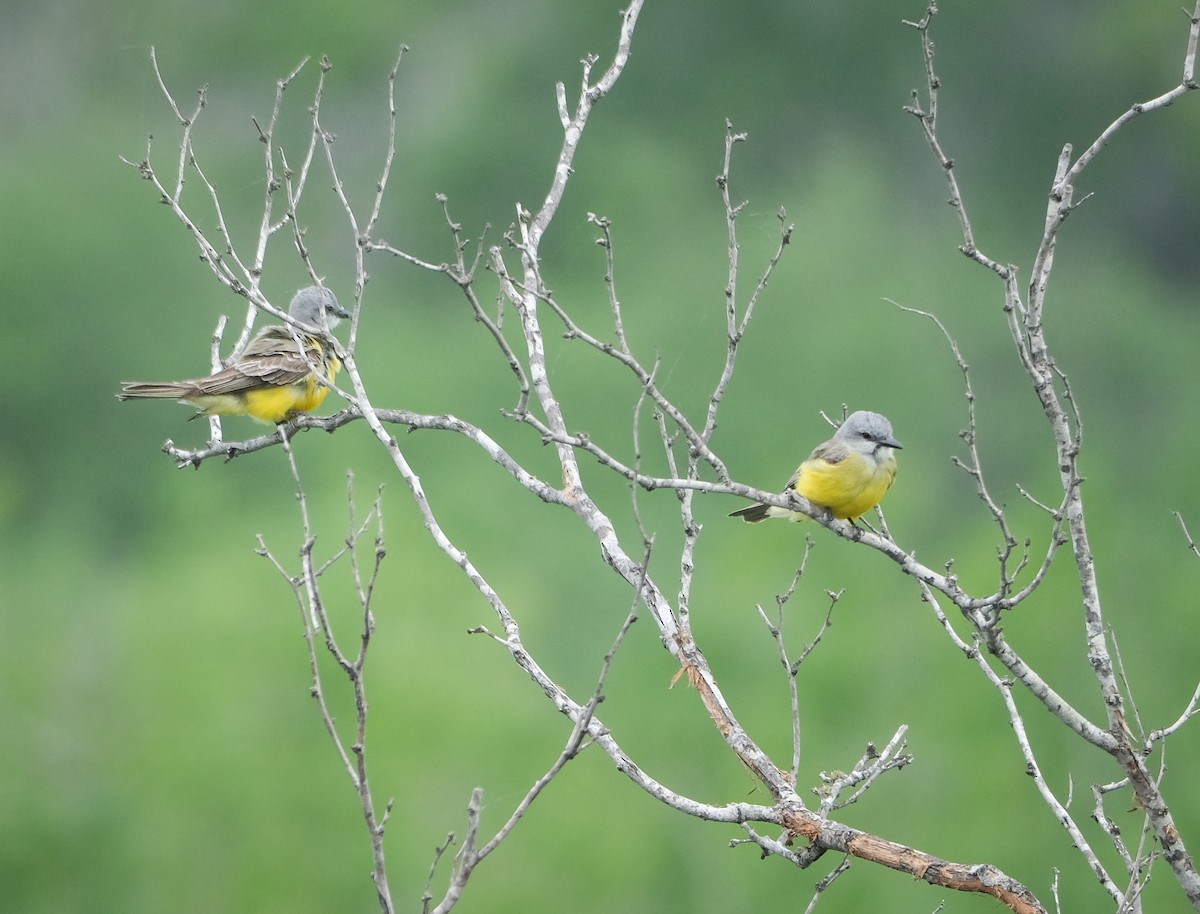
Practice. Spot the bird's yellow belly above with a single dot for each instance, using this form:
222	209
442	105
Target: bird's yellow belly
267	404
271	403
277	404
849	488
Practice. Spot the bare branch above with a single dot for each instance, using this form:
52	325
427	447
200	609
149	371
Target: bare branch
865	772
687	450
1191	543
927	116
792	667
1062	414
306	589
823	885
1193	707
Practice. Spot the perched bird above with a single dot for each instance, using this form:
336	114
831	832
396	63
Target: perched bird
848	474
277	377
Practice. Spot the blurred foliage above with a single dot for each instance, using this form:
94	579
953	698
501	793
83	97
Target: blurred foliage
161	750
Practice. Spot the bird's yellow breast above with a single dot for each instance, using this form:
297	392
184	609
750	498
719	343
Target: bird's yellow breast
277	404
848	488
271	403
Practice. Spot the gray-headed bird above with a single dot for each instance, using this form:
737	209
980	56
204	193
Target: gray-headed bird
284	370
848	475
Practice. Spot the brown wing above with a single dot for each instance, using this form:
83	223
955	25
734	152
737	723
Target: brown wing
272	359
831	451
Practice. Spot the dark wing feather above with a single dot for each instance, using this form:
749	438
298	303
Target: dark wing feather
271	360
830	452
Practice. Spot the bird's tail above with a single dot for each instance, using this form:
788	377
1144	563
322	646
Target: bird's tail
169	390
753	514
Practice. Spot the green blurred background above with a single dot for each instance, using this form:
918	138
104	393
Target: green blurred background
160	749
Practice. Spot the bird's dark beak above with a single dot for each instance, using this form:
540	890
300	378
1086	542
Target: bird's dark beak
339	311
892	442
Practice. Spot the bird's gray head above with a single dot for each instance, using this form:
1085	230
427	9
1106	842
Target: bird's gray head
316	306
868	433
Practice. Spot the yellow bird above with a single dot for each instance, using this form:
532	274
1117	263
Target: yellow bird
282	372
848	475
